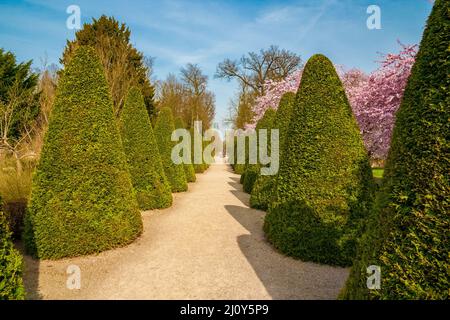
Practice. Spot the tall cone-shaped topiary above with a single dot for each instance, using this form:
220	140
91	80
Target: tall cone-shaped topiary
82	199
163	131
325	184
252	171
11	266
153	190
188	167
264	186
408	234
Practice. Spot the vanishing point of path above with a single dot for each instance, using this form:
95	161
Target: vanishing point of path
208	245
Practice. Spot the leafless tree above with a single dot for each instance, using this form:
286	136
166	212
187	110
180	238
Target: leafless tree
252	70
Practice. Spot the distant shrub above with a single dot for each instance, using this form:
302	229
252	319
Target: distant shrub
263	188
163	130
325	185
189	170
82	199
147	173
252	171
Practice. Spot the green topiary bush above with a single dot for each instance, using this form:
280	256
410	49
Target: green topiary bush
189	170
408	234
262	191
198	167
82	199
153	190
11	266
252	171
324	186
163	130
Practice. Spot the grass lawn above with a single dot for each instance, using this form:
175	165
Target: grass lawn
378	173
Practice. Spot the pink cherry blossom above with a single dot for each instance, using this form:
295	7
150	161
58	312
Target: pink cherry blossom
374	98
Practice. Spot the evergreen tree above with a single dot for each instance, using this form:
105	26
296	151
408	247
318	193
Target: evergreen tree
82	198
163	130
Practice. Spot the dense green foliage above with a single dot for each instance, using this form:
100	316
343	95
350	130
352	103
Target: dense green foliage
147	174
264	185
189	170
408	235
18	91
239	168
11	266
163	130
324	186
252	171
203	166
124	65
82	198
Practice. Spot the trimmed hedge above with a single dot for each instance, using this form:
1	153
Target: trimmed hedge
325	185
252	171
163	130
11	266
189	170
82	199
408	236
239	168
264	185
198	167
153	190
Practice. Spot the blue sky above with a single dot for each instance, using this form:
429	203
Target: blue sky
205	32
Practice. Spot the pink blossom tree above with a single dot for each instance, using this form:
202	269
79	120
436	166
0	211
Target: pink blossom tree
375	98
274	91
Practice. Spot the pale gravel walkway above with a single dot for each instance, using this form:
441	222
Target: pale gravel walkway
208	245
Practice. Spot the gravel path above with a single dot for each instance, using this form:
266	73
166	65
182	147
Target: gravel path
208	245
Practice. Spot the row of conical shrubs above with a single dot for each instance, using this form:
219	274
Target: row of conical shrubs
264	186
96	171
164	127
153	190
251	171
320	205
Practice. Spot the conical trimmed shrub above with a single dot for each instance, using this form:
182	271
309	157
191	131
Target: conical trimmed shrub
252	170
11	265
324	186
82	199
188	167
408	234
263	188
198	167
153	190
163	130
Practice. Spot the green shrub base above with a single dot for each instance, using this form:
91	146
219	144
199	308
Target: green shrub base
262	192
297	230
